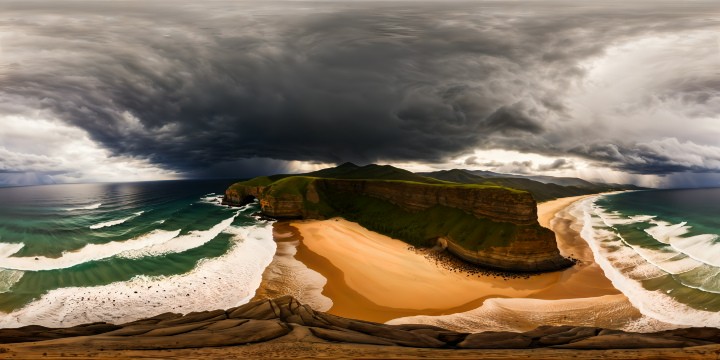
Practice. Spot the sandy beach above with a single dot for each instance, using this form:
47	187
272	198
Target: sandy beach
373	277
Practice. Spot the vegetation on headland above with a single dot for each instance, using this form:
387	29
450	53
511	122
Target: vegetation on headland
487	224
421	228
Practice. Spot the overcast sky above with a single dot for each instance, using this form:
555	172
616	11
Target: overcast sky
623	91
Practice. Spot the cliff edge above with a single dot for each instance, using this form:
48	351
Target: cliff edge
491	226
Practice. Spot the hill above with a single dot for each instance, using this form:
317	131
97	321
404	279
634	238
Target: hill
547	189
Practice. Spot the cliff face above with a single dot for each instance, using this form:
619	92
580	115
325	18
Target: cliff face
494	203
525	247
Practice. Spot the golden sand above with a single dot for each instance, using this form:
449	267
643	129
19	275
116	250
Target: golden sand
373	277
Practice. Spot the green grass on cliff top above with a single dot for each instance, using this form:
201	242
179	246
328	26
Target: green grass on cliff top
421	228
297	185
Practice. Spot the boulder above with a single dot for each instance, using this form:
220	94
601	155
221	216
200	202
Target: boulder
496	340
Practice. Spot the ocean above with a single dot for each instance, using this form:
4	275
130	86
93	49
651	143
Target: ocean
661	248
72	254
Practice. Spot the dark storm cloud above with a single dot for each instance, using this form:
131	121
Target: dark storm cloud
558	164
189	85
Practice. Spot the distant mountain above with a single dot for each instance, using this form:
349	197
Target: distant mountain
542	188
563	181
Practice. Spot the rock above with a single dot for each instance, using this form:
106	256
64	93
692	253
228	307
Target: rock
195	317
352	337
569	336
546	330
411	327
286	320
132	330
400	337
496	340
260	310
707	334
250	332
166	316
631	341
175	330
226	324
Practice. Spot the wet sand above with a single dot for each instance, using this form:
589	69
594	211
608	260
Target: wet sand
373	277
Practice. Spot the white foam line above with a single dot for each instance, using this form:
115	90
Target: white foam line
664	232
90	252
115	222
182	243
9	249
8	278
217	283
89	207
654	304
699	247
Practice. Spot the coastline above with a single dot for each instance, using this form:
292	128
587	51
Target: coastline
373	277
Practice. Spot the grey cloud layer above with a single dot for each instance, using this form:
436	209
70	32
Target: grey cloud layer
187	85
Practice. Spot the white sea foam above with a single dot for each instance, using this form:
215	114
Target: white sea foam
665	258
699	247
181	243
217	283
89	207
654	304
515	314
664	232
115	222
616	218
8	278
213	199
288	276
90	252
9	249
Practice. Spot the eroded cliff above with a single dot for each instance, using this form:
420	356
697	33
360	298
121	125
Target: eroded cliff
491	226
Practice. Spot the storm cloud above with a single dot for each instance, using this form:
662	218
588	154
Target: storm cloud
190	85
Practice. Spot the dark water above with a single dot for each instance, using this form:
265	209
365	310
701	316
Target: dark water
57	240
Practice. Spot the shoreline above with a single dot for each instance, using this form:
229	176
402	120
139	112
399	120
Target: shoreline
376	278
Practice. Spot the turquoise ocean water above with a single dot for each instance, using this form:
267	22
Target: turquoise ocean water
661	248
70	254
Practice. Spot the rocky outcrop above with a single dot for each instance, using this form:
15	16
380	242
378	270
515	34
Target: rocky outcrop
534	250
529	246
286	320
